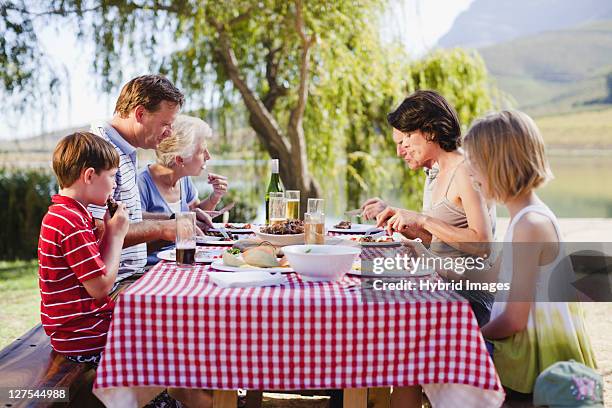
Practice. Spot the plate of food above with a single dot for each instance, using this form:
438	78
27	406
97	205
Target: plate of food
357	270
220	241
348	227
202	255
233	228
288	232
370	241
260	258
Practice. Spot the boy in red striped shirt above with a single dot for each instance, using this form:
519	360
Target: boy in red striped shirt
77	267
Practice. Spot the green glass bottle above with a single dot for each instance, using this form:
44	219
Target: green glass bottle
275	186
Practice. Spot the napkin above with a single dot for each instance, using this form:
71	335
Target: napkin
246	279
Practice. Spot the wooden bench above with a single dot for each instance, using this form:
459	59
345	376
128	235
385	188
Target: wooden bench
30	362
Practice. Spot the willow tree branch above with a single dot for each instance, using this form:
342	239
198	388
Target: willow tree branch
296	130
263	117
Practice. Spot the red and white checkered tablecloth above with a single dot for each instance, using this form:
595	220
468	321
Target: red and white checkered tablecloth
173	327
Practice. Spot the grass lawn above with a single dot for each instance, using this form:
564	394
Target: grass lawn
19	299
588	129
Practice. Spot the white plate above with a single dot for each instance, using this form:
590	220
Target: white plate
204	239
356	270
355	229
218	225
220	266
216	241
202	255
377	244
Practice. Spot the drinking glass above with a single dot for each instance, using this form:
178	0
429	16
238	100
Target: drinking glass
293	204
314	228
278	210
316	205
185	238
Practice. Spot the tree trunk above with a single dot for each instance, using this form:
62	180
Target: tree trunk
293	169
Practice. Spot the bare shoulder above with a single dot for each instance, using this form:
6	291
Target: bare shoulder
534	227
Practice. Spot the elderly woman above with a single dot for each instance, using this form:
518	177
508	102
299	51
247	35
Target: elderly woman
165	186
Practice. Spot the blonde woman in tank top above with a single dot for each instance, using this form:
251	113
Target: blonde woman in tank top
507	161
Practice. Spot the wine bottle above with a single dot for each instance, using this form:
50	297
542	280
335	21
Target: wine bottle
275	186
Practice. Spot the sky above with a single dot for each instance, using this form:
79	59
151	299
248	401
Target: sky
418	24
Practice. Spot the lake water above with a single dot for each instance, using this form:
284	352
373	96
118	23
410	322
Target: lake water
581	187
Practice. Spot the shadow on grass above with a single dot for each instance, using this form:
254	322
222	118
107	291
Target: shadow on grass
17	269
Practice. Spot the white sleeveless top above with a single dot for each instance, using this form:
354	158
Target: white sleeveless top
506	269
555	330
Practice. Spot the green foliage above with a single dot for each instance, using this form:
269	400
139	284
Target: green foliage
244	210
460	76
353	79
25	197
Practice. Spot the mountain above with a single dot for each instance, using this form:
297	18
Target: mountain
488	22
556	70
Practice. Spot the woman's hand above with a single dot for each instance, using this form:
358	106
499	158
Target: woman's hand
382	219
219	184
404	220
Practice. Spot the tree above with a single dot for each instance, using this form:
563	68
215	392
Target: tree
314	77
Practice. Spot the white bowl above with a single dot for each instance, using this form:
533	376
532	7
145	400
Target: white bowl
281	240
321	262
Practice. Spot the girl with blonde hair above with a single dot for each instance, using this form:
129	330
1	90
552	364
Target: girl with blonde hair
528	329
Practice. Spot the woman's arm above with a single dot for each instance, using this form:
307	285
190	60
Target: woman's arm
476	239
527	245
219	184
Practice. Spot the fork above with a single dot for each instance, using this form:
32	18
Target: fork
223	232
355	212
371	230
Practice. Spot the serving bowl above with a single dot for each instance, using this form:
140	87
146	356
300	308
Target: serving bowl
316	263
280	240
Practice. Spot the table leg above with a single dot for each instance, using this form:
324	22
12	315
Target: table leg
225	399
379	397
254	398
356	397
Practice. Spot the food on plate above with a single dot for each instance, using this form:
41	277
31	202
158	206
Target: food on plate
238	226
287	227
112	206
343	225
232	257
368	238
263	256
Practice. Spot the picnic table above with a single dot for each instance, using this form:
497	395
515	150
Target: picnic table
175	328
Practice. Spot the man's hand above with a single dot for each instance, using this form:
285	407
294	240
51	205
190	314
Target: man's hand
203	220
372	207
168	230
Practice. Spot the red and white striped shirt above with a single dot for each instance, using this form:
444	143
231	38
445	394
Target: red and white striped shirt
69	254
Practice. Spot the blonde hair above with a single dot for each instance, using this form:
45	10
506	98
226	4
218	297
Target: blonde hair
508	149
187	132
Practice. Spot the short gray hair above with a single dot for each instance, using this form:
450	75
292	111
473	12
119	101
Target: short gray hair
187	131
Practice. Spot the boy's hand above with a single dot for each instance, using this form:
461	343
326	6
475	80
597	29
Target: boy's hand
119	224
